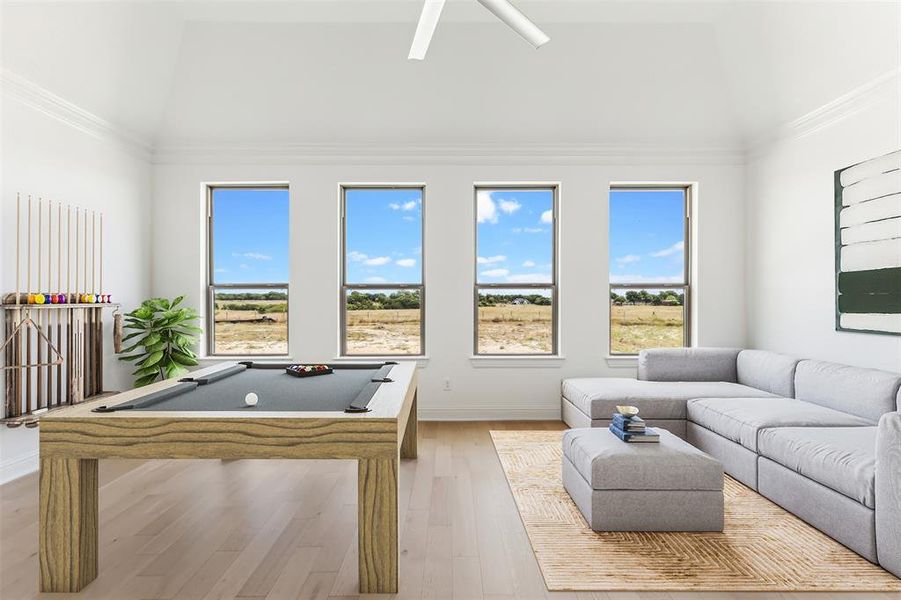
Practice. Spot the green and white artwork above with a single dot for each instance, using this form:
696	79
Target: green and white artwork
868	246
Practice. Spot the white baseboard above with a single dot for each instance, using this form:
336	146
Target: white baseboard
488	413
18	466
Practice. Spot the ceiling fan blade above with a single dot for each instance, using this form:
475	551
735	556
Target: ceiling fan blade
428	20
517	21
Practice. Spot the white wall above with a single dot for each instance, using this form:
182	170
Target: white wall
44	156
505	392
791	240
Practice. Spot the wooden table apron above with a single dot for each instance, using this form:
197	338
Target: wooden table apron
70	447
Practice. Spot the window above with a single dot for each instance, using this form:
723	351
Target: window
382	292
515	270
248	270
649	273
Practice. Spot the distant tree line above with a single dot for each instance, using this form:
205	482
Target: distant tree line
501	299
663	298
271	295
279	307
380	301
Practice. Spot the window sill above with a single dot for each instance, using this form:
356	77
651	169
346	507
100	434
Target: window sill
517	362
421	361
622	362
237	358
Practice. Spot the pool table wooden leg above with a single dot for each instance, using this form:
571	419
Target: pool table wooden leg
377	524
409	445
68	523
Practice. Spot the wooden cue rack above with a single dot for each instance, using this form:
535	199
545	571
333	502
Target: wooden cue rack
76	331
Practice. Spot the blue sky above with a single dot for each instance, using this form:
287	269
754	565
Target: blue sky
384	235
250	235
647	236
384	243
514	236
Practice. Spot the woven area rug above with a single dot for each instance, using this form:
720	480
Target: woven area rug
763	547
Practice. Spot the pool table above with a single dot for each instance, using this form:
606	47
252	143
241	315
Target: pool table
365	412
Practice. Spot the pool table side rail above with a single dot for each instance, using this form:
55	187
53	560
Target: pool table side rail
79	433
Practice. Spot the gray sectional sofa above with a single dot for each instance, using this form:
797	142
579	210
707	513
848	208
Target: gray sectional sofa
822	440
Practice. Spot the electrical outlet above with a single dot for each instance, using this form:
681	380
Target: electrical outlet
447	384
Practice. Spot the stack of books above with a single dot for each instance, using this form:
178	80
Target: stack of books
632	429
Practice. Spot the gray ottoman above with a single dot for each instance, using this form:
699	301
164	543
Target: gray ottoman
670	486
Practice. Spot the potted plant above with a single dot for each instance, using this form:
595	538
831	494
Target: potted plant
163	335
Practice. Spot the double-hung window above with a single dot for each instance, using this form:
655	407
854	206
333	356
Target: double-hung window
516	270
247	309
382	291
650	290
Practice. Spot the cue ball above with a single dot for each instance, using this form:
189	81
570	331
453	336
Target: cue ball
251	399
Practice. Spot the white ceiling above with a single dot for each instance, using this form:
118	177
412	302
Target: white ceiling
667	72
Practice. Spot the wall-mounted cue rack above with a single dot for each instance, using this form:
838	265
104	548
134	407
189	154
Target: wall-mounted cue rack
53	340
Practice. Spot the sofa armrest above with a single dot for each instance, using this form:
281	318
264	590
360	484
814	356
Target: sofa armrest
688	364
888	492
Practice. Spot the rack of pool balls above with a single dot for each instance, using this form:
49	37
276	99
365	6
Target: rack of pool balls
308	370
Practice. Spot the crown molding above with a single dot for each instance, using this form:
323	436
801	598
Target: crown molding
860	98
450	154
34	96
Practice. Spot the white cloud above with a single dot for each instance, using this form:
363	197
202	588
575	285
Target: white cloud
405	262
527	230
407	206
509	206
376	261
676	248
490	260
530	278
485	207
243	266
495	273
376	280
627	259
528	264
645	279
547	216
407	218
252	255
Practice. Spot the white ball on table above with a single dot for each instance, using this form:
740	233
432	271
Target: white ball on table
251	399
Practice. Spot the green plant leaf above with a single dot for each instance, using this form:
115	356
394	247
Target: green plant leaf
153	359
132	357
183	359
177	301
146	380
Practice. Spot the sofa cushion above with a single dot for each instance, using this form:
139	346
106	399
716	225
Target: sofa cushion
608	463
841	458
687	364
740	419
767	371
867	393
598	397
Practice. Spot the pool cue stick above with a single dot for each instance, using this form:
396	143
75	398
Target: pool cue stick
69	301
101	257
93	321
13	411
59	292
28	312
49	341
39	339
77	255
18	243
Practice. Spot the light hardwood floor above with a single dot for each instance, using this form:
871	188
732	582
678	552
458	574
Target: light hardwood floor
282	529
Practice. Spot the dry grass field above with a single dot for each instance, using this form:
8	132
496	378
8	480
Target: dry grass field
511	329
505	329
383	331
250	331
636	327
